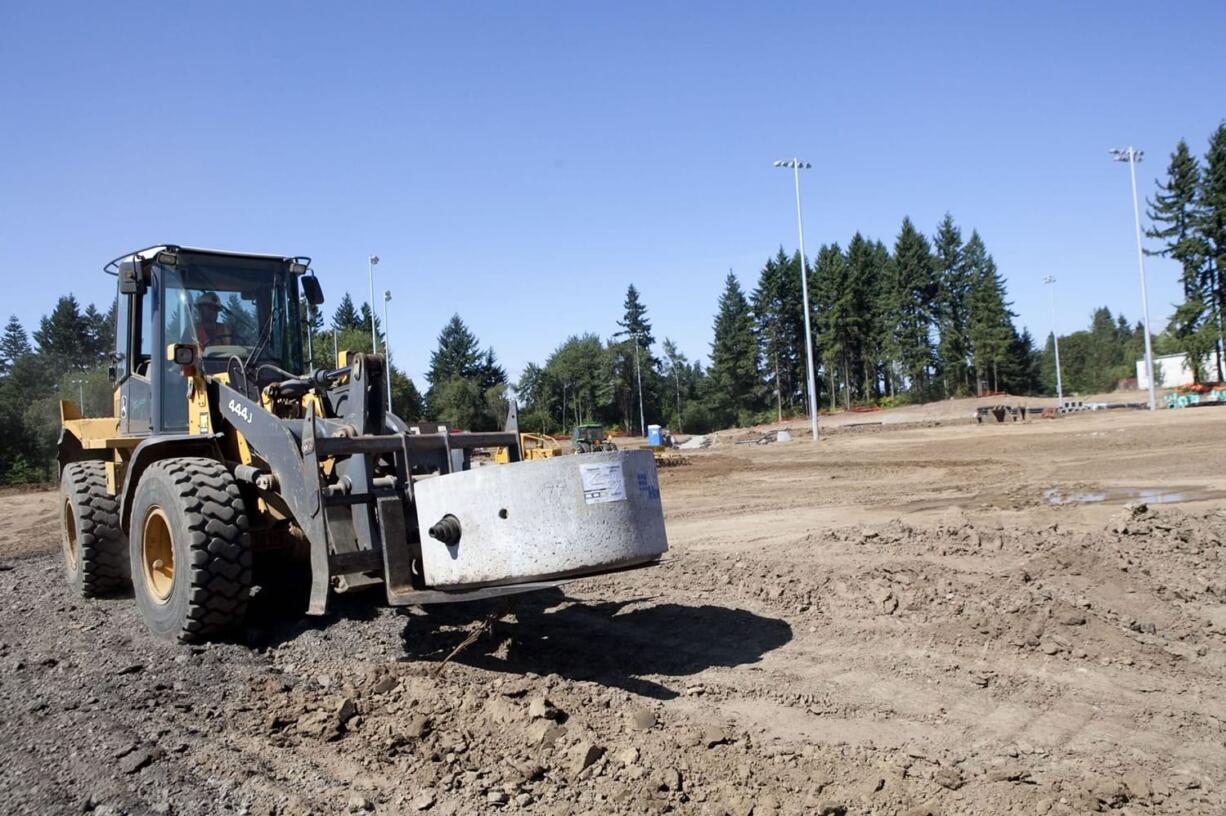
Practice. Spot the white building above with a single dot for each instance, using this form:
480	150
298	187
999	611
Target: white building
1171	370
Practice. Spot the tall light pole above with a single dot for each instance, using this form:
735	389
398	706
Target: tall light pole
1132	156
370	271
1050	280
80	395
387	347
797	165
639	377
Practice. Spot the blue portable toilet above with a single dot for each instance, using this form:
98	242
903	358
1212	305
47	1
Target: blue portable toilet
654	436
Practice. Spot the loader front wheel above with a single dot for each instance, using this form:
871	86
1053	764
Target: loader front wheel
95	553
190	553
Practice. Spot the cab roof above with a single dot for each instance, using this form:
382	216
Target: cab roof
151	252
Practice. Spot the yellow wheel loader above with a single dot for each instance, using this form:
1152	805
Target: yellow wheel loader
224	448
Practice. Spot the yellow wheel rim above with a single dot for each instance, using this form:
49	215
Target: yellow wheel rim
157	555
70	536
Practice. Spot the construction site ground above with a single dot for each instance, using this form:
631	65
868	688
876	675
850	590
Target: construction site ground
923	617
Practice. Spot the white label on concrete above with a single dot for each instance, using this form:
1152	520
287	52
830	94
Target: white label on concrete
603	483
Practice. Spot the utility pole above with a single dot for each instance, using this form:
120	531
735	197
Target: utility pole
1132	156
370	271
797	165
639	377
1050	280
387	348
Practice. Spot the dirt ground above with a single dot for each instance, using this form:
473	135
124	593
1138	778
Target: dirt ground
912	618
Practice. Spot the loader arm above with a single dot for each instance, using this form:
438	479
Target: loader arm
355	522
376	499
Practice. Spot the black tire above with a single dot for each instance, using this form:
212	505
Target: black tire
190	509
95	551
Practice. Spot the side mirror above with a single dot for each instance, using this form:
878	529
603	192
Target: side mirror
183	354
312	290
130	282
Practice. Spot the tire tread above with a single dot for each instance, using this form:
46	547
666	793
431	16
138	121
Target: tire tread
102	557
219	564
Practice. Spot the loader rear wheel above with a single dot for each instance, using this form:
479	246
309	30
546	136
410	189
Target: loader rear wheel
95	552
190	552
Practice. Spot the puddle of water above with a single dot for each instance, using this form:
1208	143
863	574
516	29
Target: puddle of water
1056	495
939	503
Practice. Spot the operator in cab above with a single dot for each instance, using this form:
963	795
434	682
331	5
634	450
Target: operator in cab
209	330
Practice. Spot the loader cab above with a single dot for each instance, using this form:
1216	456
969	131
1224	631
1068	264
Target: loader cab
240	313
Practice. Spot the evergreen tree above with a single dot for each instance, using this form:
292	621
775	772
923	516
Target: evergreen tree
734	379
863	282
1107	352
778	310
1019	370
1096	359
14	344
1175	212
460	370
989	321
346	317
99	332
364	323
634	323
63	337
913	292
635	363
1212	228
458	354
489	373
953	287
836	324
406	399
872	271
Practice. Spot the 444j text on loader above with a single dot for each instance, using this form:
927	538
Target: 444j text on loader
223	448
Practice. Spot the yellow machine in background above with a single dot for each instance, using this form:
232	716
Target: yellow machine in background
532	446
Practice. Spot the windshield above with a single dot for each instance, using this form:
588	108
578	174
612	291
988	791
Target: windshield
230	307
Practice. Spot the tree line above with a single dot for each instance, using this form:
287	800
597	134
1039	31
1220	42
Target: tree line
67	359
922	318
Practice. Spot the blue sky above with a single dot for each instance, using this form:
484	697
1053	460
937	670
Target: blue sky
521	163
